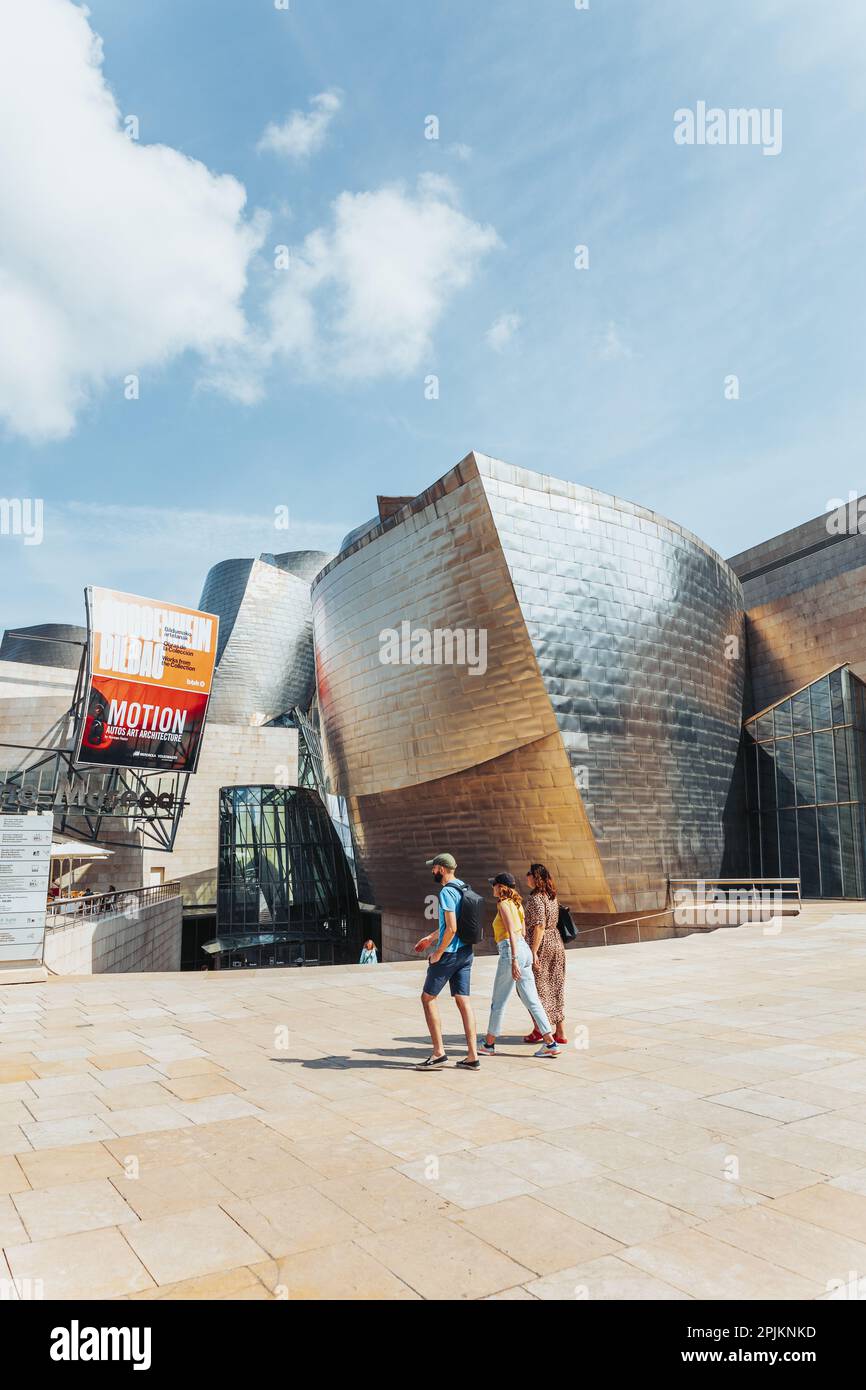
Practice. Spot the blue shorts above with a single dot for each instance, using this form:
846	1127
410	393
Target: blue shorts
454	968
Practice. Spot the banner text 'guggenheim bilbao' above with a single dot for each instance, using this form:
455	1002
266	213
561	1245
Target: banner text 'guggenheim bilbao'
149	673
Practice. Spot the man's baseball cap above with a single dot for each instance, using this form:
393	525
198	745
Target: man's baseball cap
446	860
507	880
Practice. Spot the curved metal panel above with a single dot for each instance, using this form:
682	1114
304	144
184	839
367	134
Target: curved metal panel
637	628
501	814
45	644
614	647
265	663
388	725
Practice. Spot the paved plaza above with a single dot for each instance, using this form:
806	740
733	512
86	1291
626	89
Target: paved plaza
262	1135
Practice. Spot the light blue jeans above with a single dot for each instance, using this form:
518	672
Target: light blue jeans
504	983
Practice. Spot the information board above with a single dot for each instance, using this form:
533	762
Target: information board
25	866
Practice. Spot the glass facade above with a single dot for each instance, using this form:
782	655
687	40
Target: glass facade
285	892
805	759
311	773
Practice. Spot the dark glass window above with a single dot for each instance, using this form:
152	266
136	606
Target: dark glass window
848	818
805	772
785	772
789	860
783	719
751	753
831	860
801	709
848	696
825	769
755	846
836	699
765	726
821	704
766	775
857	764
810	876
842	739
820	770
770	845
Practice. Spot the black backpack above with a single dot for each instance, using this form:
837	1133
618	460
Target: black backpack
468	915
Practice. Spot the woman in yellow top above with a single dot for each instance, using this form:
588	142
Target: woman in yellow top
514	968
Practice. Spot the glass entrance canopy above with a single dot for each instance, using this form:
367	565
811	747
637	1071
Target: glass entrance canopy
285	891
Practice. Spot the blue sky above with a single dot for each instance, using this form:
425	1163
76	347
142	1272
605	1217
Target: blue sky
262	388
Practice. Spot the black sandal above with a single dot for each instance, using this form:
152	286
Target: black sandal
431	1062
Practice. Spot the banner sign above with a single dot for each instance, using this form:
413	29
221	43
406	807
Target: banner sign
25	865
149	673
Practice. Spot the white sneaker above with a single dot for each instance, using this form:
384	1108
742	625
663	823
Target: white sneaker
547	1050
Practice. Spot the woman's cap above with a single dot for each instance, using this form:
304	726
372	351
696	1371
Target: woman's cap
507	880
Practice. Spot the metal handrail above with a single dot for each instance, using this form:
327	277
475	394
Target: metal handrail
737	878
629	921
789	888
122	900
753	884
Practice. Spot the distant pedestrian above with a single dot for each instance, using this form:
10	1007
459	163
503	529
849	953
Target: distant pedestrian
450	963
514	968
368	954
548	952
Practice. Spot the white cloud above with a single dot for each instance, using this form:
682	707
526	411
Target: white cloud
501	332
115	256
366	292
302	135
363	295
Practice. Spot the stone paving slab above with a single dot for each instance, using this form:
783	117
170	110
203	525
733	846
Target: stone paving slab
262	1134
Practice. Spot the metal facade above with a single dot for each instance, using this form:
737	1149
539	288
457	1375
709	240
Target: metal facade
804	596
265	657
603	734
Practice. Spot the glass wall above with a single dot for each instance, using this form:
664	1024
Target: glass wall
804	771
285	892
311	773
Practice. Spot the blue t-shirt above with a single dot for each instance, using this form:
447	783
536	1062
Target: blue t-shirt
449	901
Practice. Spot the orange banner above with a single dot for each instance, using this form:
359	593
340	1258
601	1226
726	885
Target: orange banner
133	638
149	671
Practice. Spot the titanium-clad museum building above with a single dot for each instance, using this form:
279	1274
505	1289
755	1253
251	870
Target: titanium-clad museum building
602	737
510	667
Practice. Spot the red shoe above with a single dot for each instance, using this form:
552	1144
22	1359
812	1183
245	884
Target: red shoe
534	1036
563	1042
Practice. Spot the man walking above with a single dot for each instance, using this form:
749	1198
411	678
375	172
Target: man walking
450	963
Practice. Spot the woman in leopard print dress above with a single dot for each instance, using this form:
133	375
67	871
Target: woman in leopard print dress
548	952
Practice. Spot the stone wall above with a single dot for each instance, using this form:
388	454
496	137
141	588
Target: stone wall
805	595
133	939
